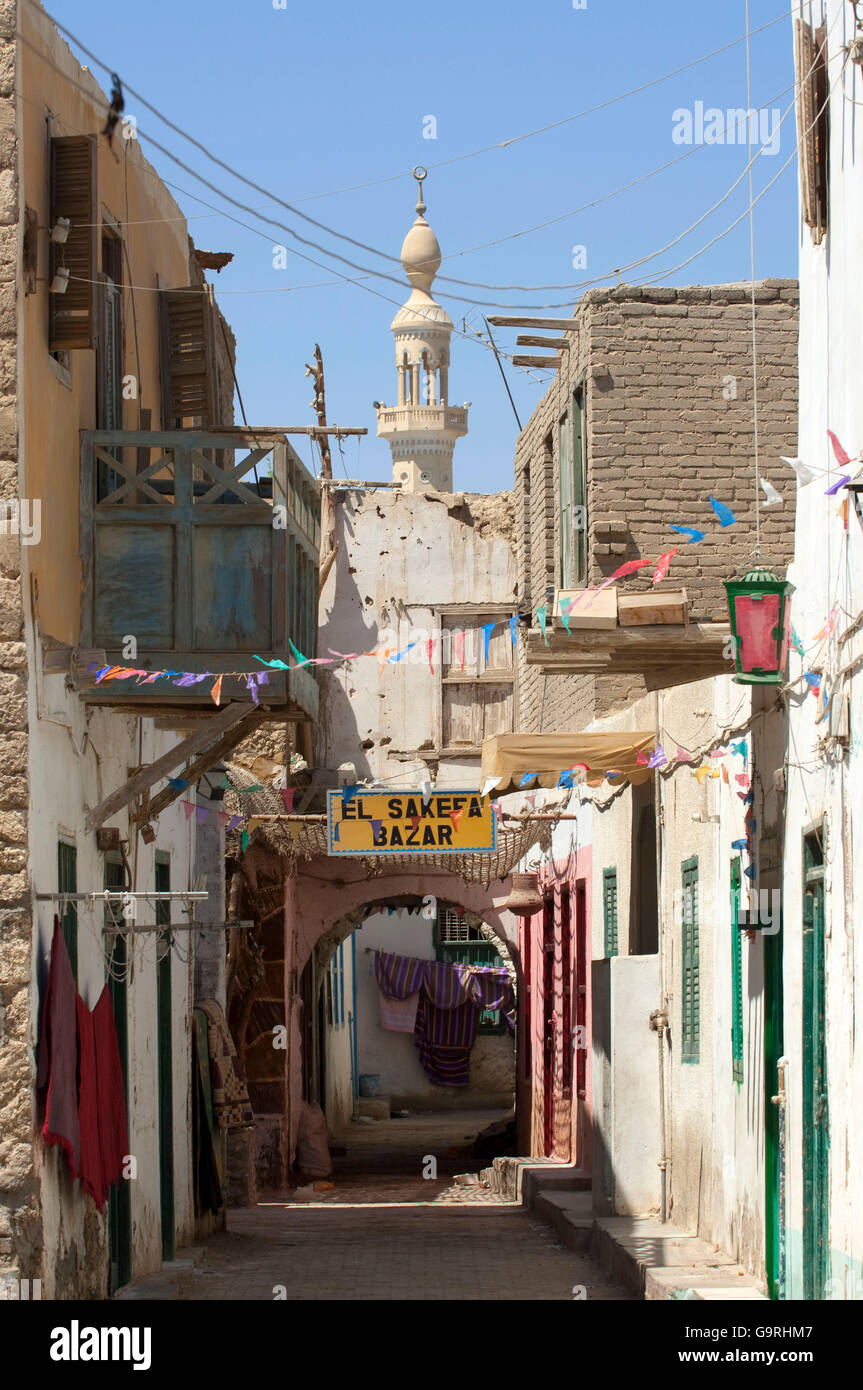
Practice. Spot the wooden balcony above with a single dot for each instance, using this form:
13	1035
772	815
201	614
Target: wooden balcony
204	548
633	634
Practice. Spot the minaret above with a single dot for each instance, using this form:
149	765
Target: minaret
423	428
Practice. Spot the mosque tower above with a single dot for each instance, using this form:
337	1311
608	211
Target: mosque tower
423	428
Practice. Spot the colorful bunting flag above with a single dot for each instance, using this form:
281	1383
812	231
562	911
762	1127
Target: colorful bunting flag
691	531
177	783
541	615
663	565
774	498
804	474
188	807
288	794
487	630
513	629
658	758
725	514
842	458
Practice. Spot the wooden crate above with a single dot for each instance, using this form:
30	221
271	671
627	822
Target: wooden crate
597	610
645	610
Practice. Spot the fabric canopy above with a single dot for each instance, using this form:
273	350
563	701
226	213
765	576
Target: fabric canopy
512	756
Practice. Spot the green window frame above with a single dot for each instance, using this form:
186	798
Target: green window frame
457	942
609	912
736	976
573	519
690	994
67	882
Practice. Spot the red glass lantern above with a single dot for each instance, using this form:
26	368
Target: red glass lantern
759	610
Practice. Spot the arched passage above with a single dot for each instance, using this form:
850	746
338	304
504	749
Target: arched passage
336	916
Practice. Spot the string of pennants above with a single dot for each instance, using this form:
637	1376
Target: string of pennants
388	656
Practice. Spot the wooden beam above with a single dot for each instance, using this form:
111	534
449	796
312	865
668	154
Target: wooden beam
222	720
504	321
532	340
552	362
214	754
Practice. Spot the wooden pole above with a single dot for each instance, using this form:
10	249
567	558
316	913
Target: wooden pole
329	539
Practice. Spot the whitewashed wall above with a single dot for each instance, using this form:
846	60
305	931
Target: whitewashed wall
827	573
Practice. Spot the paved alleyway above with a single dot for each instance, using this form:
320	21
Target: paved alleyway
439	1249
385	1232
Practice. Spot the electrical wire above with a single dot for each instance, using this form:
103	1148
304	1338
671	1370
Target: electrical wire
381	274
291	207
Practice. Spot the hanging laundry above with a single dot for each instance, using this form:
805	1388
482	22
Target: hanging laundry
113	1122
399	979
88	1108
231	1105
56	1077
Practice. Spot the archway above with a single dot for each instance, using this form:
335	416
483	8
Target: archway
334	926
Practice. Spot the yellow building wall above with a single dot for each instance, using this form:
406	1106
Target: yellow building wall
60	98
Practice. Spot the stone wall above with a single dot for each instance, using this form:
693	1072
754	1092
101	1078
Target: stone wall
19	1215
667	375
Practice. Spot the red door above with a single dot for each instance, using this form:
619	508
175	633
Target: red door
580	1018
548	1049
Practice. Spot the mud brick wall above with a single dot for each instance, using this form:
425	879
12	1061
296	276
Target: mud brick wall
667	375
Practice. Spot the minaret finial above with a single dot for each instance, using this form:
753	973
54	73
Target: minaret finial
420	174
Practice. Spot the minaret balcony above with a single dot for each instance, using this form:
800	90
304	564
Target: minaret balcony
449	421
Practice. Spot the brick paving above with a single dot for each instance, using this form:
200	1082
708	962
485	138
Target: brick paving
396	1240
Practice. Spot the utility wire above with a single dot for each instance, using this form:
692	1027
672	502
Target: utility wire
599	106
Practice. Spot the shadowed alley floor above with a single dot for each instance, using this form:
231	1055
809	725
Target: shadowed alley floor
386	1232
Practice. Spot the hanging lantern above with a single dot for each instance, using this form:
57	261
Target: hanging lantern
525	898
759	609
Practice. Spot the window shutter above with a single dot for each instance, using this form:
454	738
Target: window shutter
189	376
736	977
72	316
810	60
609	910
691	983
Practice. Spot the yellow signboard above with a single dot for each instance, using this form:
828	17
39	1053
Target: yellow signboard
450	822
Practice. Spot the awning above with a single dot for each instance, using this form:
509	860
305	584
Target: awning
513	756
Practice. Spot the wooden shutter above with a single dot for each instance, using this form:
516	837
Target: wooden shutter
72	316
691	982
609	910
813	125
736	977
67	882
189	376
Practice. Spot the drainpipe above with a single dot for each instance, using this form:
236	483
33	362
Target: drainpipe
659	1022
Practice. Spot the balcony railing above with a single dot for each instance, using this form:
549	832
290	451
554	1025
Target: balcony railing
204	559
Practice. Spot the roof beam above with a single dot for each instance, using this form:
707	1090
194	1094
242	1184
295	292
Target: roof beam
530	340
220	722
509	321
552	362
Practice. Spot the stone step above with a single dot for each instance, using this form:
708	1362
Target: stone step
658	1261
570	1214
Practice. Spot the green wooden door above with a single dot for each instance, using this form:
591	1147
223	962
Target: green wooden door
774	1120
164	1059
815	1106
119	1199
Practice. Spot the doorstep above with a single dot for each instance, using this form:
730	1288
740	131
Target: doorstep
655	1260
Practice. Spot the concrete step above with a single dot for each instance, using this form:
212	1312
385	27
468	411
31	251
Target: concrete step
521	1179
570	1214
659	1261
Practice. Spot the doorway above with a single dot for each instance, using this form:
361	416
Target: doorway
116	967
165	1057
815	1104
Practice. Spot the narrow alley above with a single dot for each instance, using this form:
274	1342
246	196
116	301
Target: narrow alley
386	1233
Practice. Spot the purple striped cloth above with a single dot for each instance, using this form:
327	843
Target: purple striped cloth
398	977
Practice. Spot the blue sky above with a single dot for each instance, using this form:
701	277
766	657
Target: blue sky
317	98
